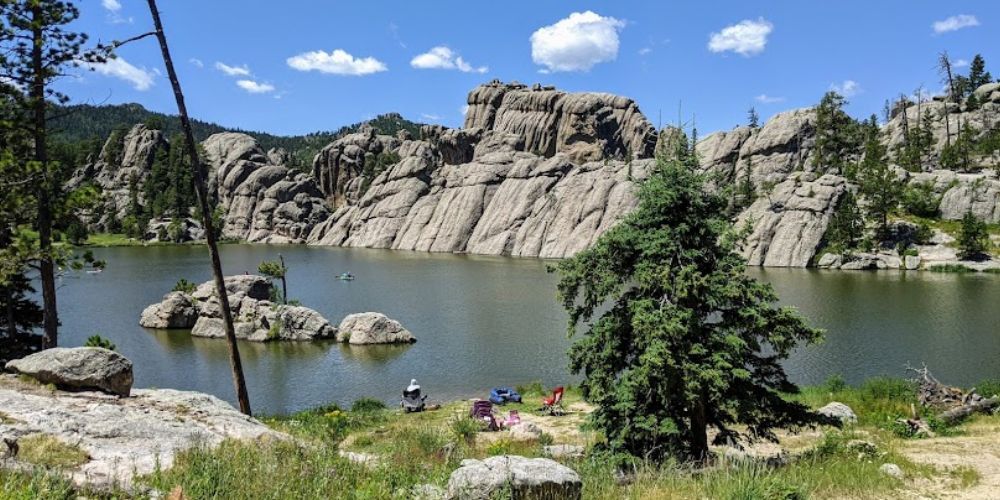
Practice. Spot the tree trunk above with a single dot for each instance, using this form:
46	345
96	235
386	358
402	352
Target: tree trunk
46	267
201	189
284	283
699	433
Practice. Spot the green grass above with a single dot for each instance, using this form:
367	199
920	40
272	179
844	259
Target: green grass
950	268
48	451
34	485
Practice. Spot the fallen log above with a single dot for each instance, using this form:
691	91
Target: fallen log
959	413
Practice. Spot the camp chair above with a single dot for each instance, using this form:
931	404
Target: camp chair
483	412
513	418
553	404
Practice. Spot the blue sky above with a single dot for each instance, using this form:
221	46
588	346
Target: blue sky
298	66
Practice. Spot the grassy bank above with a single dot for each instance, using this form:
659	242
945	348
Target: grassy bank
371	452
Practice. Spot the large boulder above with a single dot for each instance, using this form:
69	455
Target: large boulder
839	412
177	310
249	285
78	368
519	477
372	328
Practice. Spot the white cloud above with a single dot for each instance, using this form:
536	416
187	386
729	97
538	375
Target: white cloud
233	70
768	99
255	87
747	38
139	78
960	63
955	23
197	62
848	88
111	5
645	50
576	43
430	117
337	62
114	8
442	57
464	109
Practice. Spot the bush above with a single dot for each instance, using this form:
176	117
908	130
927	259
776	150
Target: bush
367	405
76	232
989	387
464	428
835	383
185	286
919	199
99	341
973	240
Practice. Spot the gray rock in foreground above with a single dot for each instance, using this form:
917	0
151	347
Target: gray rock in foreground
78	368
525	478
838	411
372	328
124	437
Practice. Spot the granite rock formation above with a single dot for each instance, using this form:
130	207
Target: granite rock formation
255	317
261	202
78	368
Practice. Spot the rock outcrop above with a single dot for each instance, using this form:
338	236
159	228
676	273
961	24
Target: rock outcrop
587	126
124	160
255	317
372	328
516	476
123	437
261	202
788	223
174	230
78	368
339	167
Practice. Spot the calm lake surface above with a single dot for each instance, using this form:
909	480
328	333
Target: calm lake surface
486	321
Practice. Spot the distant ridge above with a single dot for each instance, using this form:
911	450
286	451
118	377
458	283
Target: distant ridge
82	122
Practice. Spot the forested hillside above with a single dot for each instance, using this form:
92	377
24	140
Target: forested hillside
86	122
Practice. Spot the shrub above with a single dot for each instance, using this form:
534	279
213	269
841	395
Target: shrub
185	286
99	341
989	387
835	383
76	233
367	405
919	199
973	240
499	447
464	428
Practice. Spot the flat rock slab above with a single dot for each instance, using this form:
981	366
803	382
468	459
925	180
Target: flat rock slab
78	368
123	437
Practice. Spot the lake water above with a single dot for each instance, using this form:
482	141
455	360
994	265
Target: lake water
487	321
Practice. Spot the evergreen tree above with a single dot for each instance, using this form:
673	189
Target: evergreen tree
978	76
690	341
276	269
36	49
847	226
879	184
958	155
973	240
837	137
753	119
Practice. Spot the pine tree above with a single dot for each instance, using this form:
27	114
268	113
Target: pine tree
35	49
753	119
276	269
879	184
836	135
690	341
978	76
847	226
973	240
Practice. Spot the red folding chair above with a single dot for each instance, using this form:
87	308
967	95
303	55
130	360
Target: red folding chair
553	404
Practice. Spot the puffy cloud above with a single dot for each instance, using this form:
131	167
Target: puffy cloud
197	62
337	62
960	63
955	23
255	87
747	38
442	57
576	43
233	70
848	88
768	99
111	5
139	78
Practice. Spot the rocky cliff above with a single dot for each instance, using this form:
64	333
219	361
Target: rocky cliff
535	173
261	202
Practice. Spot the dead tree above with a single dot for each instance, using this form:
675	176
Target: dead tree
944	66
201	189
952	403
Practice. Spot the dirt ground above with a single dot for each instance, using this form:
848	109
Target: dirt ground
978	449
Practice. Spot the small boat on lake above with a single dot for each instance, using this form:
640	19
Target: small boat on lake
346	277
